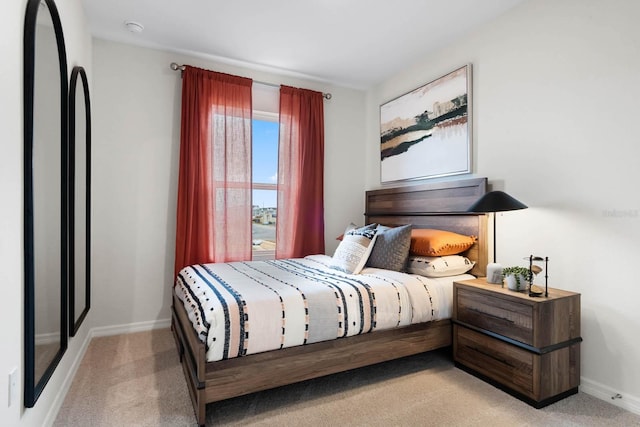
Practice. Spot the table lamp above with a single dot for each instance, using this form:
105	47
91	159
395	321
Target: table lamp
492	202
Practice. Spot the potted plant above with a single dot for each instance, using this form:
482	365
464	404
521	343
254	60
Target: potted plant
517	278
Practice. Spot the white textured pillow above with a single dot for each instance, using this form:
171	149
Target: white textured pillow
450	265
354	250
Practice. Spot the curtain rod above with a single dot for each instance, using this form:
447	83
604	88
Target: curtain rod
175	67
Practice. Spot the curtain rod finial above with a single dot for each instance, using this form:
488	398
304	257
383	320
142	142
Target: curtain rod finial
175	67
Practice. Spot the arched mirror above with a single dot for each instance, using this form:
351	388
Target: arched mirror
79	199
45	195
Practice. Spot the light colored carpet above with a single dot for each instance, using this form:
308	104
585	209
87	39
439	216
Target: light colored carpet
136	380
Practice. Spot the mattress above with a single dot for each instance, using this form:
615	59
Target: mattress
243	308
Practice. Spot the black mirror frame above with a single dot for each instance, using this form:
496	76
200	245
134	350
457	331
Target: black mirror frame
32	386
74	324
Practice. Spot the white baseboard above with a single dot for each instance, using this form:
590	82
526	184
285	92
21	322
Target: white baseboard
48	338
129	328
606	393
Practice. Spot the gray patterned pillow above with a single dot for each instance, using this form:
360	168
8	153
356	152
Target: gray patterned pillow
391	248
354	249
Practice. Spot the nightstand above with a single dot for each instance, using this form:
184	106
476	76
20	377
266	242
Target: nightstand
526	346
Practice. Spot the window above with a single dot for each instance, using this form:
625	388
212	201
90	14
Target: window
265	125
264	177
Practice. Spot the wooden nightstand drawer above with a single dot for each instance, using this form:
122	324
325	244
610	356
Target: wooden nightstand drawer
495	359
538	322
487	311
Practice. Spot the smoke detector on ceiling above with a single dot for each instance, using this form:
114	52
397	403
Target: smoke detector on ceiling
133	26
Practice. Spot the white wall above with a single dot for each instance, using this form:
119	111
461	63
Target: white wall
136	110
11	266
555	112
78	44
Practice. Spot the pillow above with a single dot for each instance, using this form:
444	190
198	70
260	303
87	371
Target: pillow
354	249
352	226
450	265
429	242
391	248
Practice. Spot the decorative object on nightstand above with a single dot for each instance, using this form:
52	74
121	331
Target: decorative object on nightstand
535	291
517	278
492	202
528	347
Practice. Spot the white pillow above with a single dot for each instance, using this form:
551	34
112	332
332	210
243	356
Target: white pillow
449	265
354	250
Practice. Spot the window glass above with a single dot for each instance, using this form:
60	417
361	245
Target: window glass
265	176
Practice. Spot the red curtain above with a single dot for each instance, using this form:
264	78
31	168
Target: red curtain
214	182
300	220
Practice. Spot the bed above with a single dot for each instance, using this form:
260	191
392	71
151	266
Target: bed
214	377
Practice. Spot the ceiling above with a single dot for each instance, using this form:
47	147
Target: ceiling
353	43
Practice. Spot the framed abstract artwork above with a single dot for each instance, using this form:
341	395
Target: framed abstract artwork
426	133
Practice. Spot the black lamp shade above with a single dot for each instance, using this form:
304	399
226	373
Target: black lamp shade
496	201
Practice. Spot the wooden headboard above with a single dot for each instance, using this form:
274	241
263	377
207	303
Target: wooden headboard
440	205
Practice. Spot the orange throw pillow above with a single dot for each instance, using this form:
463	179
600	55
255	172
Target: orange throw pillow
429	242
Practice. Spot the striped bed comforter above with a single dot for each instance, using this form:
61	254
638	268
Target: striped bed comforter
242	308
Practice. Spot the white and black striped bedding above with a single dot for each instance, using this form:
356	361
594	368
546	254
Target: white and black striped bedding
242	308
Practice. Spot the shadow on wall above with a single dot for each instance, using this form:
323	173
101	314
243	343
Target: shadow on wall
606	347
172	185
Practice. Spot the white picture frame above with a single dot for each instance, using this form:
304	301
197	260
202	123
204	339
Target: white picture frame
426	133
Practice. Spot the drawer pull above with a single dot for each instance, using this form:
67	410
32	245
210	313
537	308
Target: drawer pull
490	315
486	353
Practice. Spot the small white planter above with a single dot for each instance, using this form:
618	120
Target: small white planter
513	284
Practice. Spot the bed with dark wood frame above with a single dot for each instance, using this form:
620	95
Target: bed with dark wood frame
435	205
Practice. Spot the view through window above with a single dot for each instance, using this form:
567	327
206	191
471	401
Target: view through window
265	178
